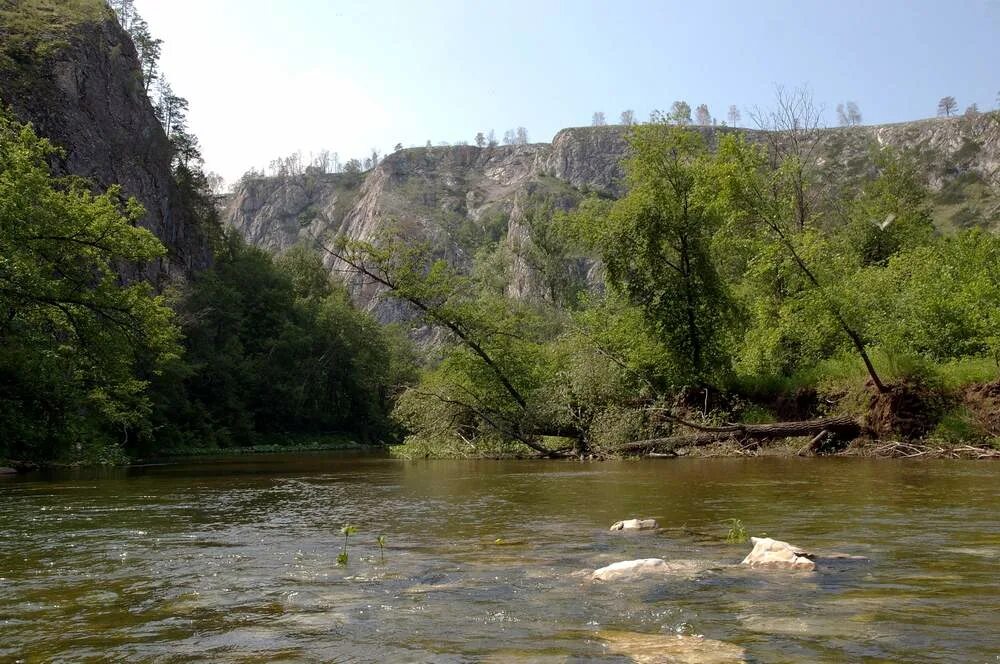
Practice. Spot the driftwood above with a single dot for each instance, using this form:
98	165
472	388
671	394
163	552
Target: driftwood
845	427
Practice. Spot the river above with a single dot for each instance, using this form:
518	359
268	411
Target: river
235	560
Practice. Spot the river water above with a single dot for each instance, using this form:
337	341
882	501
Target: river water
236	561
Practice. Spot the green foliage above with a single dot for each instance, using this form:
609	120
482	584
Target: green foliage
74	338
31	30
656	245
380	540
275	348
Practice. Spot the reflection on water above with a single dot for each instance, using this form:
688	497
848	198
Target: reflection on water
236	561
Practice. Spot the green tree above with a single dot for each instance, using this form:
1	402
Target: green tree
754	194
72	336
656	247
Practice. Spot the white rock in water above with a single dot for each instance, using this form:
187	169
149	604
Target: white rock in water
774	553
636	524
631	569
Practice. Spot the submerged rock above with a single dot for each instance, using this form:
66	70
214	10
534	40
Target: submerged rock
671	648
636	524
776	554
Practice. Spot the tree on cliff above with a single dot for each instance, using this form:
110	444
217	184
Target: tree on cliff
947	106
598	120
733	115
702	115
521	137
849	116
680	113
627	118
480	140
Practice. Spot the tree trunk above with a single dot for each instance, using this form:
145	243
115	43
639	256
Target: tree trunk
843	426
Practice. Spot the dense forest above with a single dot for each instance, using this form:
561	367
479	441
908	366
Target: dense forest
729	287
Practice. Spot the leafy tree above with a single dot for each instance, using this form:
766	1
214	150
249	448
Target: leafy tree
74	338
756	194
853	114
702	115
680	113
480	140
947	106
733	115
655	243
274	349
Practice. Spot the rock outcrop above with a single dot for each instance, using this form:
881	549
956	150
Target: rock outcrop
78	82
459	199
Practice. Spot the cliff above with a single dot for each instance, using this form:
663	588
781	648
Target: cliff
73	72
462	198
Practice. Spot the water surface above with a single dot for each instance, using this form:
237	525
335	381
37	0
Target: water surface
235	560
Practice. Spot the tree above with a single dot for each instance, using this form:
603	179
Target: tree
398	147
754	191
171	109
842	116
521	137
853	114
849	116
491	139
680	113
972	111
733	115
148	50
627	118
702	115
73	336
480	140
489	383
509	137
947	106
274	347
598	119
792	138
655	244
353	166
216	183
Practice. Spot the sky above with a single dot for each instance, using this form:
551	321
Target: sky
266	78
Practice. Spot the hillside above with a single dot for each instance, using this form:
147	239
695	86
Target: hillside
73	72
461	198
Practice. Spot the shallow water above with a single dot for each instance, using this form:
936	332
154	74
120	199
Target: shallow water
235	561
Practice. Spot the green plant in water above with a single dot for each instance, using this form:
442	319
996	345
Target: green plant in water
737	532
347	530
381	547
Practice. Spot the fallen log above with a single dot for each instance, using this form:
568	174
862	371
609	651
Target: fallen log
844	427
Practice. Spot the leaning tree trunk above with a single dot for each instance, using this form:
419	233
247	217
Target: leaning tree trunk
843	426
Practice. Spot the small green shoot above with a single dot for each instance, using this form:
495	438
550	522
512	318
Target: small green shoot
347	530
381	547
737	532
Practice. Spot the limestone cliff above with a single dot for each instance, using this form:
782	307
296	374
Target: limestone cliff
73	72
460	198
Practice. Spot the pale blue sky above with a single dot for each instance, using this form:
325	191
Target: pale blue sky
268	77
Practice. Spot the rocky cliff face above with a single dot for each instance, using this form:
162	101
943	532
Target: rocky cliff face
83	90
459	198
